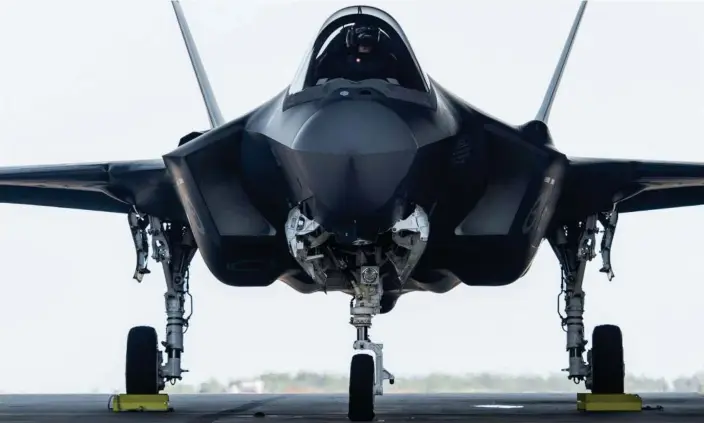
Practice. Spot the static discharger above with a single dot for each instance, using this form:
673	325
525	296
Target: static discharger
609	402
126	402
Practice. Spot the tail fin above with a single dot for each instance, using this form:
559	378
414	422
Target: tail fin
544	112
206	90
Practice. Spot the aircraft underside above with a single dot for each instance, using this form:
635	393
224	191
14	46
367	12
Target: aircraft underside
375	187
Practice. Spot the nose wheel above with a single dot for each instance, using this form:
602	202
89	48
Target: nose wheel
361	401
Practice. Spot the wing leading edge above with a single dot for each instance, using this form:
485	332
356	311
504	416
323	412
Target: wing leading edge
600	185
115	187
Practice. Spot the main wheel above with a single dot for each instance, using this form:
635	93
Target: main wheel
361	405
142	361
608	368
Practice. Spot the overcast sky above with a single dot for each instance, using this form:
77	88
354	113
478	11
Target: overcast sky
100	81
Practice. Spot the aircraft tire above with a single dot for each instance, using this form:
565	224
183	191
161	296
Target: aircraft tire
361	399
608	368
142	361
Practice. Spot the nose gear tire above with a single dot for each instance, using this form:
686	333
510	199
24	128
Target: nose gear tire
361	399
608	368
142	361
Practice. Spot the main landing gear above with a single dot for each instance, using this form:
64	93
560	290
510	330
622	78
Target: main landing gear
367	373
173	247
574	244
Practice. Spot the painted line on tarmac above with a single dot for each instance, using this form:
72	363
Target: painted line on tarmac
501	406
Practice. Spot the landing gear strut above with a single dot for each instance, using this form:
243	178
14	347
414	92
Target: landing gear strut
367	374
574	245
311	246
174	247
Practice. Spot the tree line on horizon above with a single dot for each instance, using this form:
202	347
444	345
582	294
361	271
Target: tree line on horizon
310	382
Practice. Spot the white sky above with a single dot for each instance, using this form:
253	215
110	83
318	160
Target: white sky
100	80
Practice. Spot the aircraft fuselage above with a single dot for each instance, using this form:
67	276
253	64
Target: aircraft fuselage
363	176
355	163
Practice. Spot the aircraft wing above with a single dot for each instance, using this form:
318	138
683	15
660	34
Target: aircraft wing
115	187
597	185
109	187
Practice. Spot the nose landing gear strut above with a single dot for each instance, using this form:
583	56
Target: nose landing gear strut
367	373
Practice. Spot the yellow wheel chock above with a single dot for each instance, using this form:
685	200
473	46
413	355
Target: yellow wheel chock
609	402
127	402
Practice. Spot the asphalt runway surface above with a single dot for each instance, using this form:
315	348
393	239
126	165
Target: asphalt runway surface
225	408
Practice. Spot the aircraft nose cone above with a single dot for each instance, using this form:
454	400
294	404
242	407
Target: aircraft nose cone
352	158
355	128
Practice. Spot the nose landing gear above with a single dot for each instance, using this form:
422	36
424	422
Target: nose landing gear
367	373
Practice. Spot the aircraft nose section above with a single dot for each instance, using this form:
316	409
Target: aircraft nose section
352	159
355	128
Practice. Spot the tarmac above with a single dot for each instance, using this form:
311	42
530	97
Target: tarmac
223	408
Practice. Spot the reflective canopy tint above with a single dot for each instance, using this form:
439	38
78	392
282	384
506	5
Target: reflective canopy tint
332	33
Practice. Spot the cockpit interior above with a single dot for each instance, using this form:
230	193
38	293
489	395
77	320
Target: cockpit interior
361	43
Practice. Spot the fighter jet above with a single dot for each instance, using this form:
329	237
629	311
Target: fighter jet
364	176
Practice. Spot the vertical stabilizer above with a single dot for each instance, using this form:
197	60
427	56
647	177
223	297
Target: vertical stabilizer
206	90
544	112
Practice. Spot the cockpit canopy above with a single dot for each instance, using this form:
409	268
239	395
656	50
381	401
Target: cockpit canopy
332	56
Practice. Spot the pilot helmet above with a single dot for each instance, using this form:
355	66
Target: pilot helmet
364	36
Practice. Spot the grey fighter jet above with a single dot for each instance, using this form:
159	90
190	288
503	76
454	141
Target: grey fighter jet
364	176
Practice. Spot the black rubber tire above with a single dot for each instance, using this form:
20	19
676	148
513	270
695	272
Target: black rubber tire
608	367
361	400
142	361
